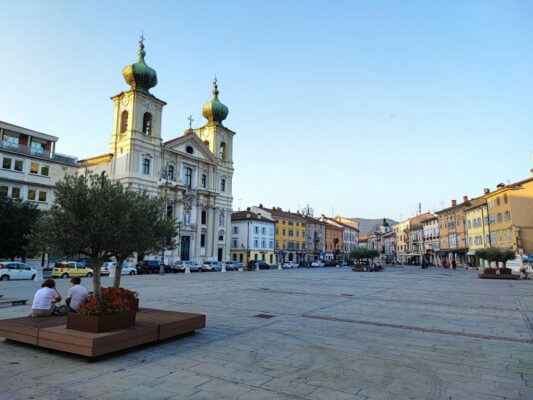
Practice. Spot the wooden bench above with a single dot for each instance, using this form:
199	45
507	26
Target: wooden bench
501	276
51	332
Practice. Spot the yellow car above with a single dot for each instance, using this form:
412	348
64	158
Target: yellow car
70	269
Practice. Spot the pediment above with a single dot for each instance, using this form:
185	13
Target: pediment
199	150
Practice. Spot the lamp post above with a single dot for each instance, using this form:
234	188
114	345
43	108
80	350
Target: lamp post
164	180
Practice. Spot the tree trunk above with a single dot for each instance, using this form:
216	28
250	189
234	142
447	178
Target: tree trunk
118	273
97	285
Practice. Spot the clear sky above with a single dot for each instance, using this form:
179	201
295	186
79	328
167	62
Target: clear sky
366	107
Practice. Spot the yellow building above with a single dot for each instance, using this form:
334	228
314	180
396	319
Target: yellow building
510	209
402	239
477	229
289	240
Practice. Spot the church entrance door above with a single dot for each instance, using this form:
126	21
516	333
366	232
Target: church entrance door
185	248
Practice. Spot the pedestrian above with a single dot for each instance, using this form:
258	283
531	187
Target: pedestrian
454	264
76	295
45	299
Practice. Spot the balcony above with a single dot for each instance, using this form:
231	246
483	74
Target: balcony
33	151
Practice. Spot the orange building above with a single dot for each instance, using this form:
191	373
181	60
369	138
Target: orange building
334	239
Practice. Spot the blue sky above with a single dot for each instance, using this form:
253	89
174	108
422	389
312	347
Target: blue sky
366	107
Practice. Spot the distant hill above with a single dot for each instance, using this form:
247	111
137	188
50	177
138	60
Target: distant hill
367	225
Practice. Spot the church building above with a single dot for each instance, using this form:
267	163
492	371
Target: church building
193	172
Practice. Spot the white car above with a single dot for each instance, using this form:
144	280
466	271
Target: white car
180	266
16	270
317	263
127	269
290	264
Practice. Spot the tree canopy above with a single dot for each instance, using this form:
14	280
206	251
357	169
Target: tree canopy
362	253
99	218
496	254
17	220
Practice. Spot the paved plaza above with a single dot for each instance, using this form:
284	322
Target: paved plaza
324	333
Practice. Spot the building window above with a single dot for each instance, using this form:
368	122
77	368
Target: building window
42	196
12	141
202	240
45	170
263	244
223	151
291	233
223	185
170	211
3	191
505	199
15	193
204	180
147	123
19	165
256	243
146	166
123	121
235	229
188	177
6	164
263	230
189	149
203	217
37	148
170	173
34	168
220	238
31	194
235	243
256	230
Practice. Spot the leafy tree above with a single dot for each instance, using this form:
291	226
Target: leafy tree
100	219
362	253
17	220
496	254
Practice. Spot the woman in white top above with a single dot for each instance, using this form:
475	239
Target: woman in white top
45	299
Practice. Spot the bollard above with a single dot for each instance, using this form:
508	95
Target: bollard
38	275
223	268
257	267
279	265
112	271
240	269
187	270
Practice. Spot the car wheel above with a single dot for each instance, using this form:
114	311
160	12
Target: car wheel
200	270
4	278
89	275
33	277
132	272
64	276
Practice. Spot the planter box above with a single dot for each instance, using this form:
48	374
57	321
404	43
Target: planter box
506	271
489	271
135	304
101	323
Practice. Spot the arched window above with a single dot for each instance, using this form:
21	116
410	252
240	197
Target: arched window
170	172
123	121
204	217
146	166
222	151
147	123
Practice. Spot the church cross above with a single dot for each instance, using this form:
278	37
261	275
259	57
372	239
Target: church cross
190	121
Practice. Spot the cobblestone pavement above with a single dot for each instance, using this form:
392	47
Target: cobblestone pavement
331	334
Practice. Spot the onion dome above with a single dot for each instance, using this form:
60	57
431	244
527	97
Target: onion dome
139	75
214	111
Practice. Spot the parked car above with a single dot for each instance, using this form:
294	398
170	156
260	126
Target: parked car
127	269
317	264
233	265
211	266
86	262
151	267
344	263
290	264
179	266
70	269
16	270
258	263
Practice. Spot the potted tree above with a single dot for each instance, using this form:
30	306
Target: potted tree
100	219
496	255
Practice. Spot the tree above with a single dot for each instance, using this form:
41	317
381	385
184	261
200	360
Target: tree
362	253
496	254
17	220
100	219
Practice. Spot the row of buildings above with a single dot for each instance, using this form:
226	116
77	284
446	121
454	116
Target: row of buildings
501	217
275	235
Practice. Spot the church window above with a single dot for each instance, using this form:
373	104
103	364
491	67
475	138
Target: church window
204	217
188	177
189	149
124	121
147	124
204	180
146	166
170	172
170	211
223	150
202	240
222	185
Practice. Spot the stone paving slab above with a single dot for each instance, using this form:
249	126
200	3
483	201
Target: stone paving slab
405	333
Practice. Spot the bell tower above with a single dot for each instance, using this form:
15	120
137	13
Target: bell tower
137	122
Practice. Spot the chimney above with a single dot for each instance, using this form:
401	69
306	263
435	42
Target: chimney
465	199
486	190
260	205
500	185
454	203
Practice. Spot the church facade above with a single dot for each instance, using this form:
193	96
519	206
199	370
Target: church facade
193	171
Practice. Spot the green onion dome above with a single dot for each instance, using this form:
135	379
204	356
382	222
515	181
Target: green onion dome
139	75
214	111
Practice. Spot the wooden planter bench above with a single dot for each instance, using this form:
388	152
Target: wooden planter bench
51	332
501	276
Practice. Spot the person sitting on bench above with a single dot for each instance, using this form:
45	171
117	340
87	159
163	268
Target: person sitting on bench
76	295
45	299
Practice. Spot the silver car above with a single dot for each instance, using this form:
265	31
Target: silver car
180	266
